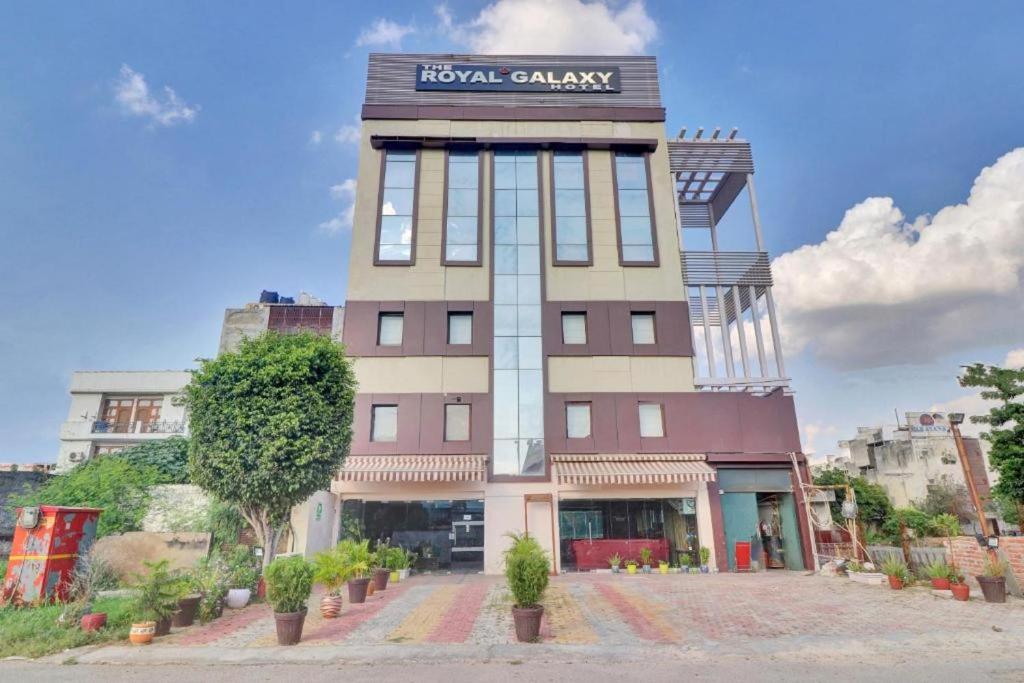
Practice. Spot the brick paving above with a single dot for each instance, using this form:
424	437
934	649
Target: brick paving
602	613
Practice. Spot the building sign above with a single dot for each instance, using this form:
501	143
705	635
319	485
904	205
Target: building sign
483	78
928	424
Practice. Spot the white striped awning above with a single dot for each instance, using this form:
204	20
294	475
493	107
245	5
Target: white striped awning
634	468
414	468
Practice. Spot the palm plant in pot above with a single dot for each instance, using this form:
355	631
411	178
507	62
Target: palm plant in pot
329	570
705	555
156	598
356	559
939	573
381	573
289	583
615	562
993	580
526	570
897	572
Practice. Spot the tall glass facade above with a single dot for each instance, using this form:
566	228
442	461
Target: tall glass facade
518	361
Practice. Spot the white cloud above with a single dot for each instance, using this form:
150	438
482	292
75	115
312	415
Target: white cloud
884	291
131	92
384	32
349	134
814	430
343	221
554	27
1014	359
974	404
316	137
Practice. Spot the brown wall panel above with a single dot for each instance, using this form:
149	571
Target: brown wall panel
737	424
610	331
421	424
425	328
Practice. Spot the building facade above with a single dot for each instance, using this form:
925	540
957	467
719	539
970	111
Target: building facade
536	348
111	410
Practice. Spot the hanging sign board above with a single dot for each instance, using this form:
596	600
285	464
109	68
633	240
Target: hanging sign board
484	78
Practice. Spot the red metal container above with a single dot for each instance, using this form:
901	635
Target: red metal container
743	556
43	557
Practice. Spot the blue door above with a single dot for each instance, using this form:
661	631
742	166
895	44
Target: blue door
739	512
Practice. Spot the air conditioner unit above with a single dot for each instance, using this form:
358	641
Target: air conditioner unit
77	456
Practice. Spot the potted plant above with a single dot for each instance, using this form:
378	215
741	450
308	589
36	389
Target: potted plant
993	580
356	560
329	570
645	559
662	567
289	583
705	555
381	573
156	598
243	577
938	572
526	570
189	595
897	572
684	563
85	579
212	577
961	591
614	562
631	566
394	561
410	560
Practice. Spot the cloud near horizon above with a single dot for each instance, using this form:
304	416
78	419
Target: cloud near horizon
553	27
132	93
882	291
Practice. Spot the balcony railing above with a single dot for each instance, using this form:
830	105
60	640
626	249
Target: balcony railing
139	427
746	268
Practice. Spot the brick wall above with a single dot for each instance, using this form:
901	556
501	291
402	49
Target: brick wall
970	557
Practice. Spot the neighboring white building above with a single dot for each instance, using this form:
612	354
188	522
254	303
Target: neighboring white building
111	410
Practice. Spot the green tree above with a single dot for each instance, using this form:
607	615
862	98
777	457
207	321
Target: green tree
1005	424
116	484
271	424
947	496
873	504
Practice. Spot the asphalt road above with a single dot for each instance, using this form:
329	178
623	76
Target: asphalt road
735	670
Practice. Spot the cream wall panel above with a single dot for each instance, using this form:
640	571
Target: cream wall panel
421	375
603	374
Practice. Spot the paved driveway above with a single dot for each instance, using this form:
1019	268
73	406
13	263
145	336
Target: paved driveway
594	616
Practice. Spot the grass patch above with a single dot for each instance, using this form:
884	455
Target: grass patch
34	632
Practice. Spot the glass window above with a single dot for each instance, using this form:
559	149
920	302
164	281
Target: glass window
518	448
643	328
577	420
652	423
460	328
389	329
574	328
384	423
398	196
462	221
570	201
636	229
456	422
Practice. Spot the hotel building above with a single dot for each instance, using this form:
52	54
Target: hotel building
538	346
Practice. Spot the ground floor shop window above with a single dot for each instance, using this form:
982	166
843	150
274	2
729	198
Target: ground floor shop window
591	531
444	534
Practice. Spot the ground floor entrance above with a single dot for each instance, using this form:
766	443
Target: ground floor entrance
444	534
758	507
591	531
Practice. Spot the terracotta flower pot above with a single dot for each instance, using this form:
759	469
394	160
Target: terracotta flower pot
330	606
380	579
186	612
940	584
289	627
371	588
961	591
163	626
895	583
142	633
357	590
993	588
527	621
94	621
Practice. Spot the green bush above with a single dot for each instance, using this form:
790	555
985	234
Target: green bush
938	570
912	518
156	593
212	576
243	571
897	568
356	558
289	583
329	569
526	569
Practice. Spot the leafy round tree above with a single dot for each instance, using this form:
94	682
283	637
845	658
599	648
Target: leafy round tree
270	425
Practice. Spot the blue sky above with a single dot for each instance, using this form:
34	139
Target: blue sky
129	225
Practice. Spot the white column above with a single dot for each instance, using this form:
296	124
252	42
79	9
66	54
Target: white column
740	332
775	331
755	314
755	214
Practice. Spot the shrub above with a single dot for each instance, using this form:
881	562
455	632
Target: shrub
156	594
937	570
242	568
705	554
615	560
897	568
356	558
329	570
289	583
645	556
526	569
212	576
995	568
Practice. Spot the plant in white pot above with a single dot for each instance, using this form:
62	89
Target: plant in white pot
289	584
243	577
526	570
